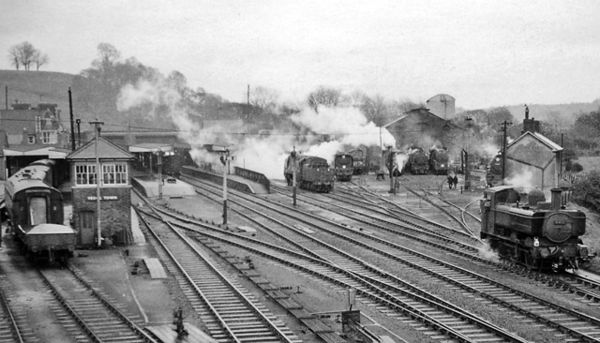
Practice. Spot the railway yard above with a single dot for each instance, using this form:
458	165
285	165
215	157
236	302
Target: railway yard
411	262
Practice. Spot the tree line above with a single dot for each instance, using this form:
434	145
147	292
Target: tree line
25	55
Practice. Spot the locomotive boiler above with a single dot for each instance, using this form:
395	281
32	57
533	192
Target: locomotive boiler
312	173
527	229
343	167
35	212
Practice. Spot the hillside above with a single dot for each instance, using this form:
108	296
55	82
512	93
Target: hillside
566	113
36	87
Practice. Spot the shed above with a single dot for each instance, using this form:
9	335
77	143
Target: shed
419	127
115	192
531	160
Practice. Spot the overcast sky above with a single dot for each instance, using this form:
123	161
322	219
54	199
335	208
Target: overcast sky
484	53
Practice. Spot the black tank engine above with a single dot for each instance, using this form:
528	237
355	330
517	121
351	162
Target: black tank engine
527	229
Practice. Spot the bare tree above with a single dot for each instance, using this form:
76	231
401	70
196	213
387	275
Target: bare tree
13	56
22	54
39	59
264	98
324	96
375	109
107	56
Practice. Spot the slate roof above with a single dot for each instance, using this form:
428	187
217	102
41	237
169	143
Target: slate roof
418	111
106	150
541	138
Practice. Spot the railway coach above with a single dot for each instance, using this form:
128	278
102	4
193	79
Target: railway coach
35	212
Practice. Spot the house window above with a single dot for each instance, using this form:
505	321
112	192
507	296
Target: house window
85	174
114	173
49	137
31	139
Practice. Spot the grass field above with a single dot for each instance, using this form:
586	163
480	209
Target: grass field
36	87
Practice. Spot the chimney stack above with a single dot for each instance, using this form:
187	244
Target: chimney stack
556	201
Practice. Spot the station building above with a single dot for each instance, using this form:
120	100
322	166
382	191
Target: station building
115	192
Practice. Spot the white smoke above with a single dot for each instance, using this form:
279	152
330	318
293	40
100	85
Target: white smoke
486	252
348	124
524	179
265	154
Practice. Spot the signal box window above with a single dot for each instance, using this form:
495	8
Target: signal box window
85	174
114	174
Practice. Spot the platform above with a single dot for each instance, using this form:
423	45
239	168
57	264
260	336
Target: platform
155	268
177	189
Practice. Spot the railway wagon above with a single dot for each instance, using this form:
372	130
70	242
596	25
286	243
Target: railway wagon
312	173
343	167
528	230
35	213
438	161
359	165
418	162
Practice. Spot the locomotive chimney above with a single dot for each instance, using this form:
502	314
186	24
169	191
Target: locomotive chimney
556	201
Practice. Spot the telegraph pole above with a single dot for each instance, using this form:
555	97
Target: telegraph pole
97	125
225	161
504	126
72	125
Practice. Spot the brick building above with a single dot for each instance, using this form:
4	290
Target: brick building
29	133
115	192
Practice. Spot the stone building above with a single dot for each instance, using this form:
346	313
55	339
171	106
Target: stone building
115	192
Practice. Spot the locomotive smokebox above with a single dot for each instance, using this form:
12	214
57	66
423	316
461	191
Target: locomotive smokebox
556	200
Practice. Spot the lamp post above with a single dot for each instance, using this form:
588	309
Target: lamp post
469	124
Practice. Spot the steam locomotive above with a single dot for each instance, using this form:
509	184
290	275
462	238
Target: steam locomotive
527	229
359	164
35	212
312	173
343	167
438	161
493	175
418	162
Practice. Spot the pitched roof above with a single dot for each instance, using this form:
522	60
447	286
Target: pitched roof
538	136
106	149
421	111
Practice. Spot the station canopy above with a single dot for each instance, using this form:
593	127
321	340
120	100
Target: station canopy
151	147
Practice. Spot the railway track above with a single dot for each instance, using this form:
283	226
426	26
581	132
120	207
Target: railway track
89	314
230	313
584	286
9	329
382	222
540	310
375	288
402	213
